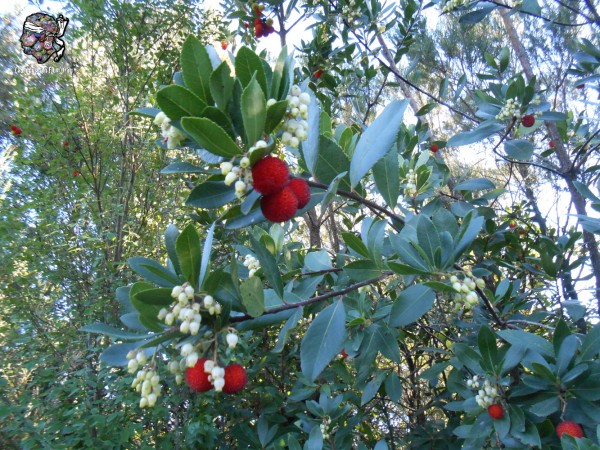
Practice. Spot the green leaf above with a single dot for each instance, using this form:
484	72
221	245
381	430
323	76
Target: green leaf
221	85
211	136
411	305
426	109
518	149
269	266
116	354
371	388
278	74
323	340
158	296
152	271
182	167
189	254
529	340
206	252
428	238
145	112
376	141
361	270
196	68
254	111
290	324
253	297
387	178
468	231
486	341
476	16
475	184
275	114
247	64
393	387
354	242
220	118
331	161
177	102
102	328
211	194
485	129
591	344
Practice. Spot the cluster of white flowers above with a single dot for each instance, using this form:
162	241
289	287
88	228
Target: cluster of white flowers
189	355
411	184
510	110
466	295
216	375
295	127
147	382
136	359
241	175
325	427
473	383
171	135
453	4
486	396
351	13
184	309
252	264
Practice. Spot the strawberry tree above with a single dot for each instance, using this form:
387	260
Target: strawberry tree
325	349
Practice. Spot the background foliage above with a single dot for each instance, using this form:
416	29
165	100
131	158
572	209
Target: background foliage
366	268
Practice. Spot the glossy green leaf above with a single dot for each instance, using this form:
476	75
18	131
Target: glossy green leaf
153	271
486	341
221	85
323	340
254	111
189	254
331	160
107	330
211	136
475	184
211	194
248	65
428	238
376	141
269	266
196	68
177	102
591	344
387	177
529	340
411	305
158	296
484	130
362	270
275	114
372	387
518	149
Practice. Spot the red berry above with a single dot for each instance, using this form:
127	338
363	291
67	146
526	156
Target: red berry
197	378
522	231
66	144
235	378
512	225
496	412
76	172
570	428
528	120
15	130
258	30
580	86
434	148
301	191
551	144
270	175
224	45
318	73
343	354
279	207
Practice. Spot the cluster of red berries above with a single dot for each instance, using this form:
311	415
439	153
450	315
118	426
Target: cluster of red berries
198	379
282	197
16	131
262	26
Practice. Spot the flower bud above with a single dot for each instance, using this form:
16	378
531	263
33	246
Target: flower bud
232	340
189	291
226	167
132	365
208	301
218	384
178	379
304	98
170	318
261	144
151	399
182	297
191	359
184	327
141	357
230	178
209	364
240	186
194	327
244	162
187	349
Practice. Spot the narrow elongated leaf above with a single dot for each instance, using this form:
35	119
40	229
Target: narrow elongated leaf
529	340
376	140
591	344
278	73
428	237
275	114
170	239
269	266
196	68
210	136
323	340
254	111
182	167
310	147
488	348
153	271
372	387
206	252
411	305
290	324
475	184
177	102
221	85
107	330
158	296
485	129
248	65
189	254
387	177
